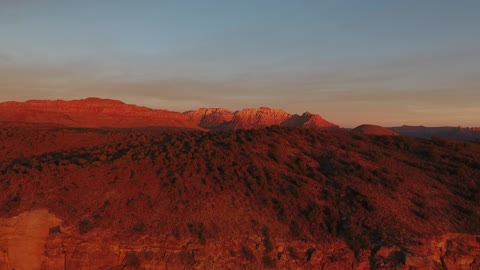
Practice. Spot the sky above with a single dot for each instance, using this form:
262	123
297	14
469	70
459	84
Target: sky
384	62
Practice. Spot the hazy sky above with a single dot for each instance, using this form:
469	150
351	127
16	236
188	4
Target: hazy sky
386	62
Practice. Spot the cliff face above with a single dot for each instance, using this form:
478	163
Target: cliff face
36	240
209	118
221	119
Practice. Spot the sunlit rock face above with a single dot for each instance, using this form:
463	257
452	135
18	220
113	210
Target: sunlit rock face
90	112
106	113
23	239
209	118
221	119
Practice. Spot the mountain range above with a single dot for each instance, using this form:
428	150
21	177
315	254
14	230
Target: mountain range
106	113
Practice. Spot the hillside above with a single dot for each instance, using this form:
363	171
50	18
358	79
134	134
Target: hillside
247	199
374	130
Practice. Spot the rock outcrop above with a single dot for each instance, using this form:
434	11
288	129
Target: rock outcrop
210	118
106	113
221	119
38	240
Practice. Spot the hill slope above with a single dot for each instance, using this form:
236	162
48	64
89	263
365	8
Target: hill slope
374	130
250	199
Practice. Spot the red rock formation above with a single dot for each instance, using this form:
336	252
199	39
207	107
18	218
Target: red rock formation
95	112
90	112
209	118
221	119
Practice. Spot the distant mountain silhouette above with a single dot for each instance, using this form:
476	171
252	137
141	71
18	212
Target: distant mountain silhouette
457	133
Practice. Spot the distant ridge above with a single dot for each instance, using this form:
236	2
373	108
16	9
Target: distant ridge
374	130
222	119
457	133
90	113
108	113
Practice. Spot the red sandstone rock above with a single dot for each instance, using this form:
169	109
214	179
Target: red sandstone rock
95	112
90	112
221	119
209	118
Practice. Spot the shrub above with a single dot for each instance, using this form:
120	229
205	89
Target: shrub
268	261
187	256
132	261
418	214
294	229
84	226
279	210
418	202
309	252
292	253
55	230
198	230
266	240
139	227
247	254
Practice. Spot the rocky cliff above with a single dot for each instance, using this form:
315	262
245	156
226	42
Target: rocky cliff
37	240
221	119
